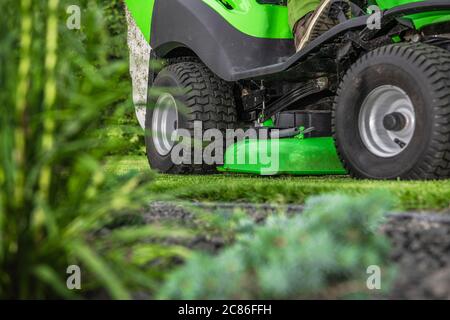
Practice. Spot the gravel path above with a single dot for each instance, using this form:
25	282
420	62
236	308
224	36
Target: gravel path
421	248
420	241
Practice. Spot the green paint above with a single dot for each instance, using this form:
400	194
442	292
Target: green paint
420	20
254	19
268	123
142	11
297	9
265	20
397	39
313	156
301	135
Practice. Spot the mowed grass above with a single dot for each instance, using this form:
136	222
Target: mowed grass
409	195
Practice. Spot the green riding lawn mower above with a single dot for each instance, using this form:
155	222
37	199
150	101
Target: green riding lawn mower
369	97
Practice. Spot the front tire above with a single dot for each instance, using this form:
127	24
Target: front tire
183	93
391	117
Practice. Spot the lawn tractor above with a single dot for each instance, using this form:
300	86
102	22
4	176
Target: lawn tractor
370	97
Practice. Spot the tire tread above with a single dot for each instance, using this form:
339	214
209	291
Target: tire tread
208	99
434	62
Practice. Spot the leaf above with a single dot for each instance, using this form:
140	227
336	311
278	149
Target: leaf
102	271
49	276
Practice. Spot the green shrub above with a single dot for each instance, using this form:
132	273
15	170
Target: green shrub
323	253
56	87
114	16
126	127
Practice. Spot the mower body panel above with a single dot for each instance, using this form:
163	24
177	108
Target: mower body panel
309	156
247	16
180	26
239	39
260	20
253	18
420	20
142	13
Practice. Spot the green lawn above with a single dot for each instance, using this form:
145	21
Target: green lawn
409	195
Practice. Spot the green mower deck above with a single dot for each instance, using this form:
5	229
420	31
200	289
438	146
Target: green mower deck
310	156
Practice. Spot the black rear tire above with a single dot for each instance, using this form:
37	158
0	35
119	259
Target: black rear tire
423	73
203	96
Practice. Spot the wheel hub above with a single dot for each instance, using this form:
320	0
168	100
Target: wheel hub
387	121
164	123
395	121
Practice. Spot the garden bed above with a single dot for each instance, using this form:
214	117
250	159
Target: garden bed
420	241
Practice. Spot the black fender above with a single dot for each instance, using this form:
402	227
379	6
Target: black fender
233	55
221	47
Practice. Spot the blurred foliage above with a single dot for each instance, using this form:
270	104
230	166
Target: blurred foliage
323	253
125	127
116	24
57	87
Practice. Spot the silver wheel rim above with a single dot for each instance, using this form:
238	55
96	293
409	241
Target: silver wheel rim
164	123
387	121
